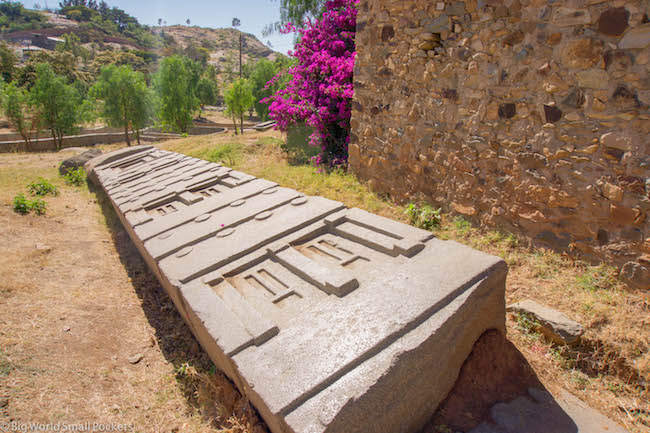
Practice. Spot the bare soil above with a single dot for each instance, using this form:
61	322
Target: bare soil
87	334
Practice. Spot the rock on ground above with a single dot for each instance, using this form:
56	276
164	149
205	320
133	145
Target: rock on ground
553	324
78	160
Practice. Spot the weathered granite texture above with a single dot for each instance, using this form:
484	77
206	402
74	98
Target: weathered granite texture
329	319
529	115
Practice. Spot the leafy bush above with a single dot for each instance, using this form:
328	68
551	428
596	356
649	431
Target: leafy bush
38	206
75	176
42	187
24	206
423	216
21	204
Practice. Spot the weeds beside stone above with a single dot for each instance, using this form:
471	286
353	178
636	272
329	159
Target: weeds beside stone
75	176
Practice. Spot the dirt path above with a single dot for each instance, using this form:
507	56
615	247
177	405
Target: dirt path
86	333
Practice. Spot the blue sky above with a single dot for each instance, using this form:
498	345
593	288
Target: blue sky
254	14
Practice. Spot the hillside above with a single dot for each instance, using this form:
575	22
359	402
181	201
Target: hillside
213	45
220	42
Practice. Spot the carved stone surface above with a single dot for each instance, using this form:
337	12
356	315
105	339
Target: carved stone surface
329	319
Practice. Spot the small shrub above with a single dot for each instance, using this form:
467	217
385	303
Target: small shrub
38	206
42	187
75	176
21	204
24	206
424	216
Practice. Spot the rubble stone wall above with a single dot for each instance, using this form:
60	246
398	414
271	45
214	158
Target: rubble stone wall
527	115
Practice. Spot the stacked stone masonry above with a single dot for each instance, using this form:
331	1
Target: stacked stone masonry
526	115
329	319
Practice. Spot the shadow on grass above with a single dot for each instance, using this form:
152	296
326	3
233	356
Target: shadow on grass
206	389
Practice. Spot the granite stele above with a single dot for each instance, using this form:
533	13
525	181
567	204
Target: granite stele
329	319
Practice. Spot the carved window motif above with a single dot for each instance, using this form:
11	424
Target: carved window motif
162	210
270	286
165	209
207	191
274	291
331	250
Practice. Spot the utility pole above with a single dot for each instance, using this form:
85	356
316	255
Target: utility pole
236	23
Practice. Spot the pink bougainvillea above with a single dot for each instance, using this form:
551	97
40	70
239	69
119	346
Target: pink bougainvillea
320	90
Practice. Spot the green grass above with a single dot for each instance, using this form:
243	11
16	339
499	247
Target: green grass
594	278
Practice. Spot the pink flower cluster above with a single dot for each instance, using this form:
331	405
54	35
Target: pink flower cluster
321	89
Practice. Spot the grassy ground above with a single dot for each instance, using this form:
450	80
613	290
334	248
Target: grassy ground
609	369
78	302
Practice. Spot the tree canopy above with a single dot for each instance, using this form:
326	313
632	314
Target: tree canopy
15	108
262	86
56	102
238	99
175	84
125	99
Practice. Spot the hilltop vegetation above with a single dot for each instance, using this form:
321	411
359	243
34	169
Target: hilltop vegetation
100	27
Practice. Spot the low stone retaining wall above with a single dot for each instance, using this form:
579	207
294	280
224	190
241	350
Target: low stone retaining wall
83	140
327	318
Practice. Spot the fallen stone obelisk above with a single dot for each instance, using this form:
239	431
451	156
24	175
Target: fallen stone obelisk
329	319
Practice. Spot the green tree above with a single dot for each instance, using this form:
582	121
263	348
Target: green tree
125	98
174	85
207	92
8	62
16	110
62	63
239	99
72	45
296	12
263	72
56	102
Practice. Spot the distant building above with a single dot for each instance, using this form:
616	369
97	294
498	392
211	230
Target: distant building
29	50
46	42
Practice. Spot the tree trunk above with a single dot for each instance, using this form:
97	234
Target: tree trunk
234	123
25	136
126	129
241	123
126	134
137	135
54	137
